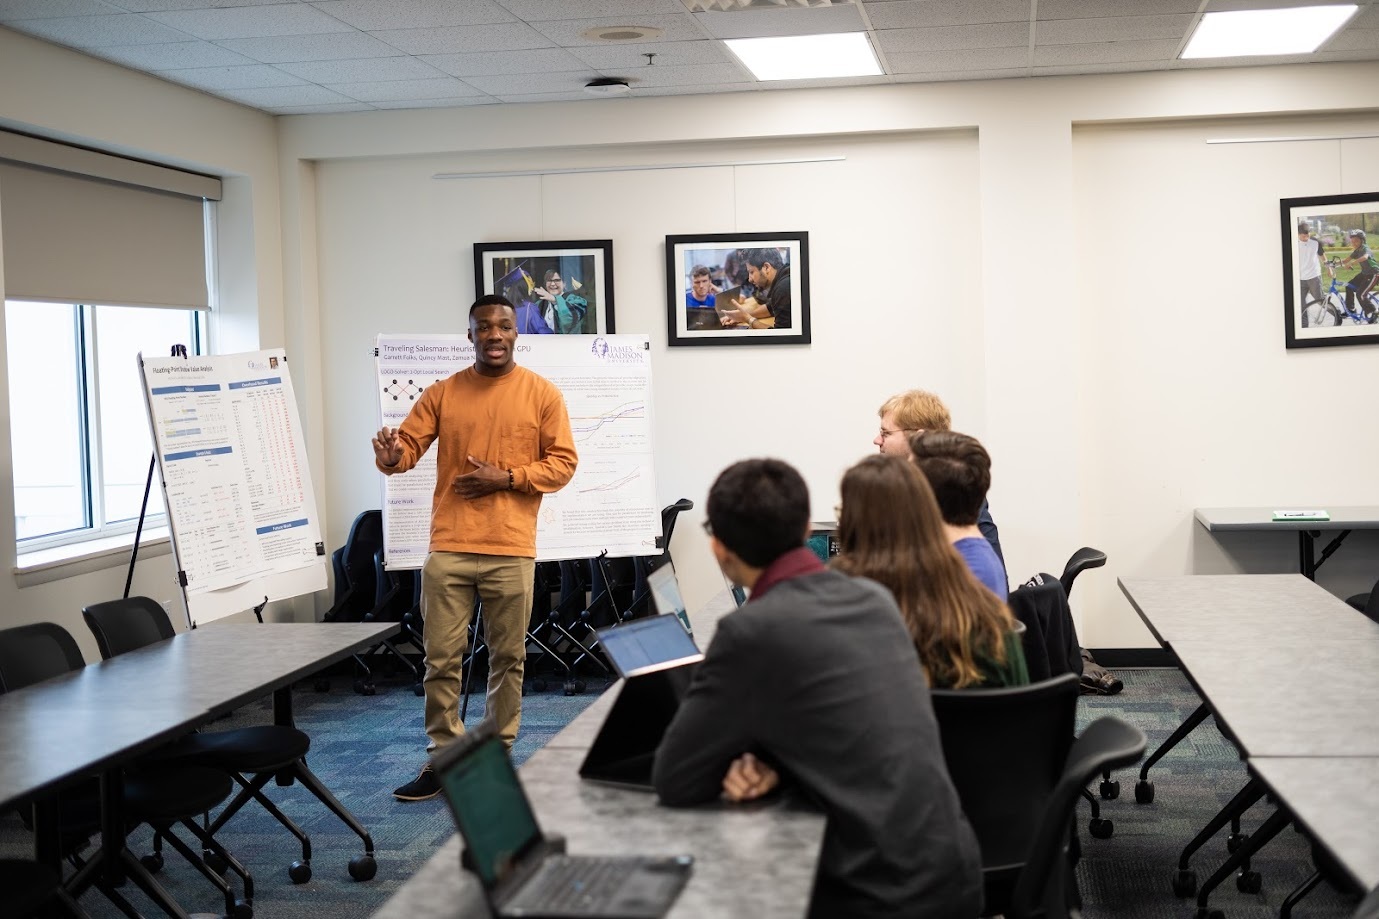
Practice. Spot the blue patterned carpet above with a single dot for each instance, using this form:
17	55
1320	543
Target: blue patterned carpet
363	747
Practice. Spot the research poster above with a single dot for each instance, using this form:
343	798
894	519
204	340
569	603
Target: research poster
233	462
610	504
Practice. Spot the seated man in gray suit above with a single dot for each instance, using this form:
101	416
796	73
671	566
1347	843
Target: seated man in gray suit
815	682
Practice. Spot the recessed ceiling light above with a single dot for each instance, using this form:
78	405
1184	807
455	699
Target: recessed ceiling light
623	33
607	86
1248	33
804	57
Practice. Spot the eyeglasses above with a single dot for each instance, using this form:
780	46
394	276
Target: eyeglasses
708	527
885	433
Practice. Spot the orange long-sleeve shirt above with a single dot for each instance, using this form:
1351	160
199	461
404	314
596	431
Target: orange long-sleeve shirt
516	421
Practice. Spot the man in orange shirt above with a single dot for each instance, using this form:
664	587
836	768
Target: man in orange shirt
503	440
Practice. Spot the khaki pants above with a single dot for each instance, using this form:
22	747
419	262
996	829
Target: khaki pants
449	582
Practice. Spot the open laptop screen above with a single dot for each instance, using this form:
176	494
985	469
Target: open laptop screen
490	808
665	593
648	645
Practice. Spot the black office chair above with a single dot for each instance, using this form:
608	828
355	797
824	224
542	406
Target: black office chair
1367	603
1022	807
356	585
396	599
155	792
251	756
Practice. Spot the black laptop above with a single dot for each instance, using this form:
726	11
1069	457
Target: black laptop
656	657
526	874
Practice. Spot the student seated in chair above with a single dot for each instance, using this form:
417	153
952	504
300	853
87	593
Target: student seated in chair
958	470
890	530
912	412
814	682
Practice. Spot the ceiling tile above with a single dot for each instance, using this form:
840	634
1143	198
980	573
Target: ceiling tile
955	38
1355	40
1097	9
1124	28
696	90
214	79
611	56
252	21
1111	52
535	10
480	63
11	10
280	96
553	97
566	32
782	21
320	109
164	6
506	36
691	75
177	55
372	15
100	31
285	49
434	103
1135	67
936	76
1219	6
393	90
365	70
1367	18
516	84
968	59
908	14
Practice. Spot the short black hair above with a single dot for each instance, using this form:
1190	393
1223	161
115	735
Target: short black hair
492	300
759	510
959	472
758	257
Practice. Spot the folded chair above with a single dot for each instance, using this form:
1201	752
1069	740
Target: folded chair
251	756
1022	808
154	791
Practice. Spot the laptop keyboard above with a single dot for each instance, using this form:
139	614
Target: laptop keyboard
566	884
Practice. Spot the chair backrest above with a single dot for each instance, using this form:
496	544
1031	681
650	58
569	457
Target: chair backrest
645	564
1005	750
355	598
1372	604
36	652
126	624
1080	561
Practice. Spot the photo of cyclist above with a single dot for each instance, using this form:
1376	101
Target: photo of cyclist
1362	258
1311	261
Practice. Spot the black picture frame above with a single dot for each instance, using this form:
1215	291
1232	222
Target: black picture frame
1316	313
726	257
518	270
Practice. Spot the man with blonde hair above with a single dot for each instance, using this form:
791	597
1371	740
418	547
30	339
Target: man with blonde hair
908	413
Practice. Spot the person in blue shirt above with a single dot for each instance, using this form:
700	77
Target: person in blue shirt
958	469
702	292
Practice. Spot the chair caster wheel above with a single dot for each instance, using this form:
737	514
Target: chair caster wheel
1235	841
574	687
214	861
321	686
1184	883
1101	828
363	868
152	863
1248	882
1110	790
299	872
418	689
1144	792
243	910
364	689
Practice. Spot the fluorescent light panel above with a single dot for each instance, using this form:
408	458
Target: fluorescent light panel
1248	33
807	57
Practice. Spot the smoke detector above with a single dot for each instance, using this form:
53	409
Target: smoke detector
606	86
623	33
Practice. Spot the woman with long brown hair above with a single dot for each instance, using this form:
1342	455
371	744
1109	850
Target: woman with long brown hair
890	530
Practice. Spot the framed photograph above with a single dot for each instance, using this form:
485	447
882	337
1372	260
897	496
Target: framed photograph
562	287
737	289
1330	270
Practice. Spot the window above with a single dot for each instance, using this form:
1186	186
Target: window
79	432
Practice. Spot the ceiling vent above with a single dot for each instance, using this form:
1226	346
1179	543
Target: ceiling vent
623	33
733	6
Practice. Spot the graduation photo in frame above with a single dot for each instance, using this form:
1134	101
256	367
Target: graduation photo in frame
557	288
737	289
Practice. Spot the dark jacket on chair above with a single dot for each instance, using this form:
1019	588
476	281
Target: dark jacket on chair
819	678
1051	645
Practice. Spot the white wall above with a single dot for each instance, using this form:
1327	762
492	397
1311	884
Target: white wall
64	95
961	246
